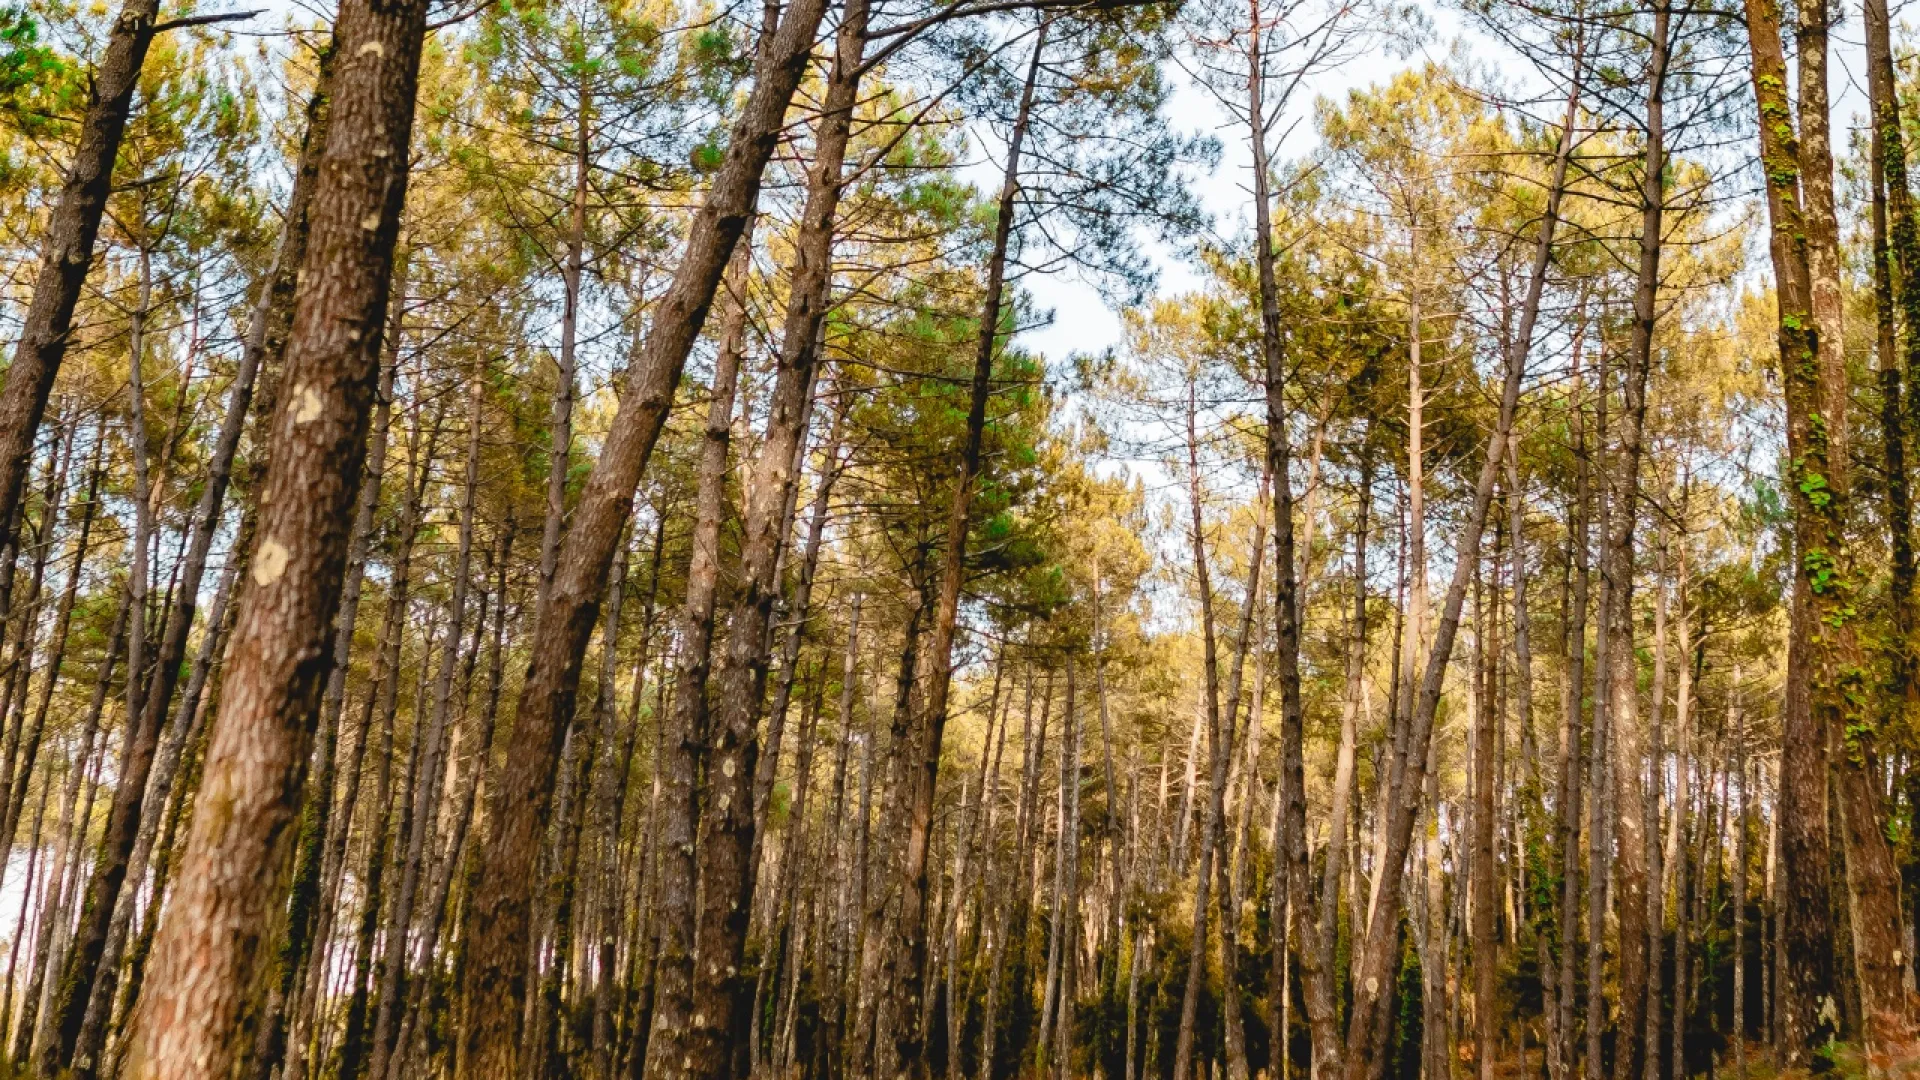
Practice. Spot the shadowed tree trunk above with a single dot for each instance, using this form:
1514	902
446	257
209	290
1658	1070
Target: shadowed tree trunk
722	987
686	730
1620	670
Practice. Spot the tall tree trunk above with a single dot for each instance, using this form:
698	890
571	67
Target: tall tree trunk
330	815
933	679
1219	753
1573	694
1816	690
572	271
87	988
67	248
1895	242
1291	862
1366	1030
426	793
722	987
377	712
1627	752
206	957
1341	818
687	728
1484	872
1678	847
1873	878
1656	894
1366	1035
495	980
611	814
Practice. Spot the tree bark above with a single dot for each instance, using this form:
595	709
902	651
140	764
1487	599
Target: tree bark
67	249
1815	686
722	987
688	727
495	981
1627	751
87	988
206	957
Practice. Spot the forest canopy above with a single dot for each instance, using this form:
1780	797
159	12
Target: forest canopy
1000	539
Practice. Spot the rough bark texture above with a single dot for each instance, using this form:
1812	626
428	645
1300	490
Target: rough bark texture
722	988
208	951
686	733
86	989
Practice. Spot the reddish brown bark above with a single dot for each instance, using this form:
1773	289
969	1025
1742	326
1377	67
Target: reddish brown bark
208	951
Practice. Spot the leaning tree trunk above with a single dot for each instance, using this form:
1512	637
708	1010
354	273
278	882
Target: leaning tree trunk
495	980
87	989
1366	1035
67	254
687	726
722	985
207	955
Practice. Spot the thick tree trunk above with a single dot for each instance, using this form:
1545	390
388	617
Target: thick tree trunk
722	987
1816	690
331	814
87	988
206	957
